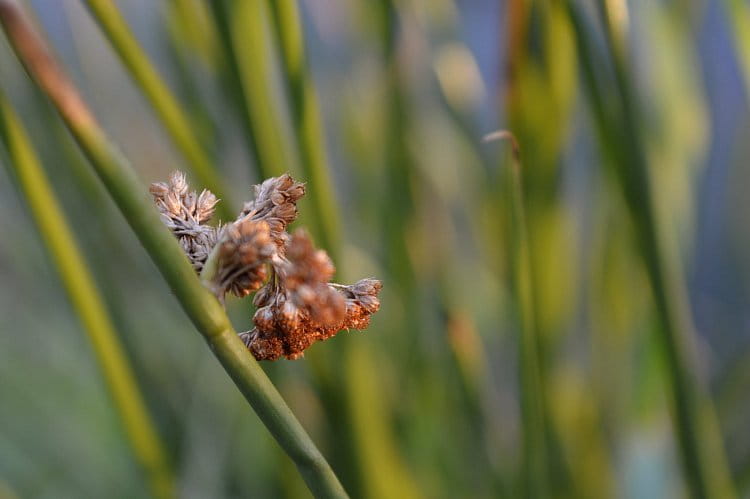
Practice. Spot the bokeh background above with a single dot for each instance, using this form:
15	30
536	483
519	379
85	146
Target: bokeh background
426	403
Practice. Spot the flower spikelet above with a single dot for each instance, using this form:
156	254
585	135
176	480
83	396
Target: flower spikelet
276	203
186	213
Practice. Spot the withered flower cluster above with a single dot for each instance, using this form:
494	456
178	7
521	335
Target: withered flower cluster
297	304
186	214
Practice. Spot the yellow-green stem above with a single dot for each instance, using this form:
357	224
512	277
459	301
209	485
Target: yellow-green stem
534	467
306	120
87	301
242	28
738	14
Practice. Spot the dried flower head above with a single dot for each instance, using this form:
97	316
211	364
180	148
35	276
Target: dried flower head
298	305
276	203
243	252
185	213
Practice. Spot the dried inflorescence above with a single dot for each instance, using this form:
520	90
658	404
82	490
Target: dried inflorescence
275	203
297	305
242	255
186	214
282	327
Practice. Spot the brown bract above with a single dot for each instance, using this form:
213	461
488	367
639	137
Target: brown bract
298	305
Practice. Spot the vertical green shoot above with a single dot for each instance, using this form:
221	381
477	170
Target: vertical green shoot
702	454
242	27
534	467
76	277
306	120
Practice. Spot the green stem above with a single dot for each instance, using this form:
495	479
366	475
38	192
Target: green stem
307	120
201	306
702	455
161	98
78	282
242	27
535	460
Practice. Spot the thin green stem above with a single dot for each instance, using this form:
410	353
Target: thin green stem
167	108
372	449
77	279
535	459
703	459
242	27
307	120
201	306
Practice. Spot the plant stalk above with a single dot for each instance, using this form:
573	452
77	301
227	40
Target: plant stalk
201	306
535	466
242	27
79	284
702	454
307	120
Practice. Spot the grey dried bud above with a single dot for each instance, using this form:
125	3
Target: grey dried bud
185	214
361	302
262	346
178	183
288	318
263	297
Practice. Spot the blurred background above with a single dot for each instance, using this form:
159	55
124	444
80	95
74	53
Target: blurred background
427	401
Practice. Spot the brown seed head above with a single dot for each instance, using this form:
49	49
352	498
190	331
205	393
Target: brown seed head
275	202
244	250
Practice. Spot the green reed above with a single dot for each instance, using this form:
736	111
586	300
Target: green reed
87	302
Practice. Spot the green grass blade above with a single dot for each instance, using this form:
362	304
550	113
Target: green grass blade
89	306
702	455
163	101
201	306
243	28
307	120
535	466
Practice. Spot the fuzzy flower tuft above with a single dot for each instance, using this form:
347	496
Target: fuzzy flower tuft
186	213
297	305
